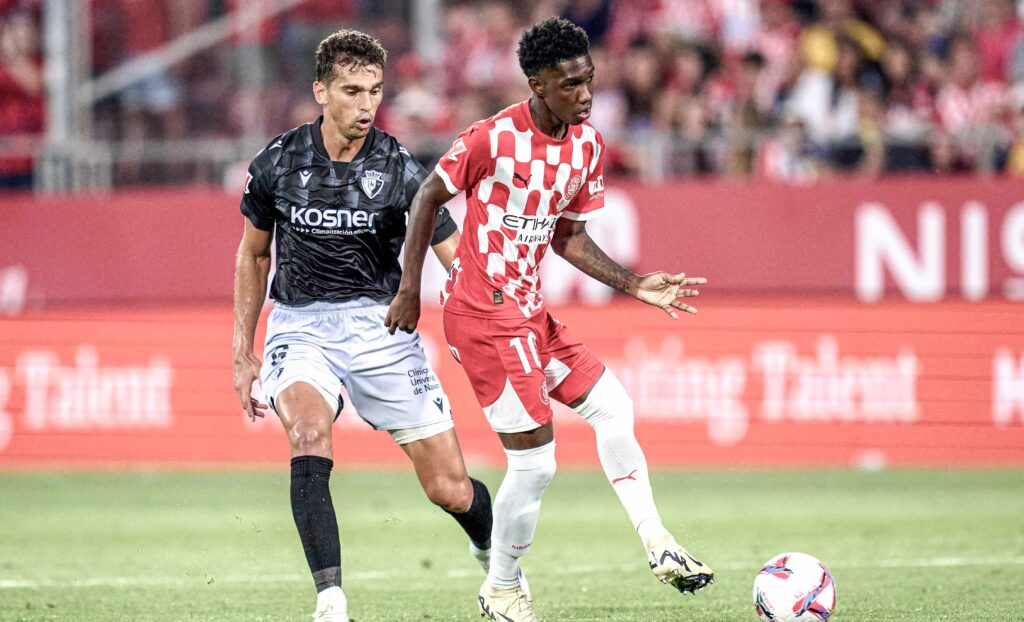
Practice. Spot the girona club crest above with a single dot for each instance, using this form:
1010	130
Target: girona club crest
573	187
372	182
544	396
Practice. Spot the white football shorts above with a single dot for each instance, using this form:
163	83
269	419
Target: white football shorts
387	377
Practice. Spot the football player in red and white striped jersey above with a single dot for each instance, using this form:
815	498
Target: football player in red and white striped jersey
533	175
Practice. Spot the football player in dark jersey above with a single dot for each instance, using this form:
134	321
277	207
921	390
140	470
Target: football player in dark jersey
333	196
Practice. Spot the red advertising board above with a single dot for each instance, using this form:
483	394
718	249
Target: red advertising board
922	239
766	383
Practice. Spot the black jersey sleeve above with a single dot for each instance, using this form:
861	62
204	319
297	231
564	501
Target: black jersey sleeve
257	200
444	228
414	176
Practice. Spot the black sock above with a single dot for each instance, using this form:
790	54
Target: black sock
314	516
477	520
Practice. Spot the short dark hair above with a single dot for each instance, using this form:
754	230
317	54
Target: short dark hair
347	48
550	42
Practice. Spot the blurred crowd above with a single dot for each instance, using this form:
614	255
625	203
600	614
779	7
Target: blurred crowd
788	90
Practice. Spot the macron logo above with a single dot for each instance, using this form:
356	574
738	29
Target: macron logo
304	176
457	149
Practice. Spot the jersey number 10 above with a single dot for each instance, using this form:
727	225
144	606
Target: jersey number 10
531	341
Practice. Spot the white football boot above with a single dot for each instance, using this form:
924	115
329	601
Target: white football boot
673	565
331	606
483	557
505	605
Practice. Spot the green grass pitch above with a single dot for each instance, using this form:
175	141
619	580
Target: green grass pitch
902	545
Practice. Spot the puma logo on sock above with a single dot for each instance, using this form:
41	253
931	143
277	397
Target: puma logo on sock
622	479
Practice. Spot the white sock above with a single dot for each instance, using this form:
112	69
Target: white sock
626	468
516	510
649	528
609	410
483	556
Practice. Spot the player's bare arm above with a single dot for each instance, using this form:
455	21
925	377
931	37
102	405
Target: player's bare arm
658	289
252	265
445	250
404	312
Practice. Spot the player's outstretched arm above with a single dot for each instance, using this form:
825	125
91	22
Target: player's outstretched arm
404	312
659	289
252	265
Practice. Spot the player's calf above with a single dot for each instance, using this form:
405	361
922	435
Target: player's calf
477	520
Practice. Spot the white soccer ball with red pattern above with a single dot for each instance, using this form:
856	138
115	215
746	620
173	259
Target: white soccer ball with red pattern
794	587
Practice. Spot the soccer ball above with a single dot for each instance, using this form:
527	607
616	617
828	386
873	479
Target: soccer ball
794	587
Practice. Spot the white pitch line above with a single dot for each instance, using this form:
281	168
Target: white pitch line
374	575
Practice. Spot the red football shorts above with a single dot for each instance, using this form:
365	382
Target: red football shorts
515	364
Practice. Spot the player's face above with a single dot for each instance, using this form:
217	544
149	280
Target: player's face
568	89
351	98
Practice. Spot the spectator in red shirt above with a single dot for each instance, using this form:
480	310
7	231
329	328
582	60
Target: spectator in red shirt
970	108
996	38
21	97
967	101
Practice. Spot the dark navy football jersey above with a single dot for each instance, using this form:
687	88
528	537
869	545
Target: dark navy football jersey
338	226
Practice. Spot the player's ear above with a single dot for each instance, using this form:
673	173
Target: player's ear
320	93
536	85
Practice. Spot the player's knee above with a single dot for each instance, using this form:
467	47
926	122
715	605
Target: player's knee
608	400
310	440
546	473
537	465
450	494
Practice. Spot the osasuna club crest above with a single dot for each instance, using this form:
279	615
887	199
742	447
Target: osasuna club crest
372	183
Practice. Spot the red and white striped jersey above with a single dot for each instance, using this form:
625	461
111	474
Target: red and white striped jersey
519	182
961	109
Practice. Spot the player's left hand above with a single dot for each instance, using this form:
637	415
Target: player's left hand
404	313
665	291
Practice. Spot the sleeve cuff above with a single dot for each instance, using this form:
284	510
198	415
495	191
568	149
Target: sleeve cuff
584	216
260	222
443	174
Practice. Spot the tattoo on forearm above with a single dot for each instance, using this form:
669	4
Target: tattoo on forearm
596	263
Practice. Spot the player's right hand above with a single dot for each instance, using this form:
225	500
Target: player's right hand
404	313
247	373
